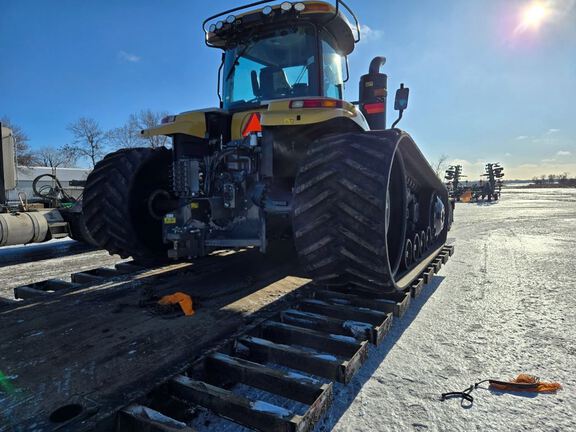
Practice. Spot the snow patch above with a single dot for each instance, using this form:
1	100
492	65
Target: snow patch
357	328
343	338
328	357
271	409
156	416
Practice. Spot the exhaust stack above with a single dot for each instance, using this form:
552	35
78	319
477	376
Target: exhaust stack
373	93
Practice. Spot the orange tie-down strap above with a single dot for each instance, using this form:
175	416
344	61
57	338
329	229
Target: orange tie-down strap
181	299
525	382
522	382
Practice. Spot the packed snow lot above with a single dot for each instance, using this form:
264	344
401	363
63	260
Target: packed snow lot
504	304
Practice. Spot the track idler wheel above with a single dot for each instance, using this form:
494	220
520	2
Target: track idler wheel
350	210
117	199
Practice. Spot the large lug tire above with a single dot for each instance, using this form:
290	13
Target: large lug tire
349	211
116	202
77	228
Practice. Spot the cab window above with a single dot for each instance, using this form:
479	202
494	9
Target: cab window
332	66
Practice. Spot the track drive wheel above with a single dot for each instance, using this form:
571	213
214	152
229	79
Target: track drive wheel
349	210
116	201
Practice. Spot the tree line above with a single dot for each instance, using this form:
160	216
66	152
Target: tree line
560	179
88	141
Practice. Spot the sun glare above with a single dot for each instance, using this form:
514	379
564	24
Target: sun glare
532	16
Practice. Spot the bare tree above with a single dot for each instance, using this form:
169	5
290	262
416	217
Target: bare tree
146	119
89	140
56	157
440	166
24	156
127	136
551	178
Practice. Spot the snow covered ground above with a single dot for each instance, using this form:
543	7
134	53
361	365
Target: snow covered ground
504	304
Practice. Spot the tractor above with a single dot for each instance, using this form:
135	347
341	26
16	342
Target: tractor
283	163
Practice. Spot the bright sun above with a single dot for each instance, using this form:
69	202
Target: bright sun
532	16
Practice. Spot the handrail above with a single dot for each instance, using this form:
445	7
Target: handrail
258	3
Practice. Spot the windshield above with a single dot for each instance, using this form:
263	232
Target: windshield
280	64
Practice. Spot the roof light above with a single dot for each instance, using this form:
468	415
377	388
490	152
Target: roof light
319	7
286	6
267	10
316	103
230	19
299	7
219	25
212	28
252	125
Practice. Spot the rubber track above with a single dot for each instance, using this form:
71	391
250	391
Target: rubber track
339	210
107	202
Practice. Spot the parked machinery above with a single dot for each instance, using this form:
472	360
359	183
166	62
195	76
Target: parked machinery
51	214
283	160
491	188
455	187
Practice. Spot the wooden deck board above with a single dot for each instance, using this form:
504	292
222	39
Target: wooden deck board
98	348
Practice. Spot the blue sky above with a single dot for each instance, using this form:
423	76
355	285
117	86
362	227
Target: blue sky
481	90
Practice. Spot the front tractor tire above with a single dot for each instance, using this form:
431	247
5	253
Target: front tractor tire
116	202
350	209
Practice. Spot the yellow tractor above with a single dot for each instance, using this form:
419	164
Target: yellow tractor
282	160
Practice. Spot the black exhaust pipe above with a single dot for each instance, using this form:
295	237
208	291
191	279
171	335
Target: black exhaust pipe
373	93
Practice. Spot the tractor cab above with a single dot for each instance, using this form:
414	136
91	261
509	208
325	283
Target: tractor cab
291	50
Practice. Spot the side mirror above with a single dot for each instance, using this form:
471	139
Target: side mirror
401	100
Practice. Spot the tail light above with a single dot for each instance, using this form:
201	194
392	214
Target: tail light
316	103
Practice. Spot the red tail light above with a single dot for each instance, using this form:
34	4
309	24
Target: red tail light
374	108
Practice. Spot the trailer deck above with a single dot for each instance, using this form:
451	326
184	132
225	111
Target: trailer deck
97	348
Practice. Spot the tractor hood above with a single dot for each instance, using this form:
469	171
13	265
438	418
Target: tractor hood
281	112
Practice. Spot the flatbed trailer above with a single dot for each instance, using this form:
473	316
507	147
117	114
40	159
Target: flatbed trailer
90	357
